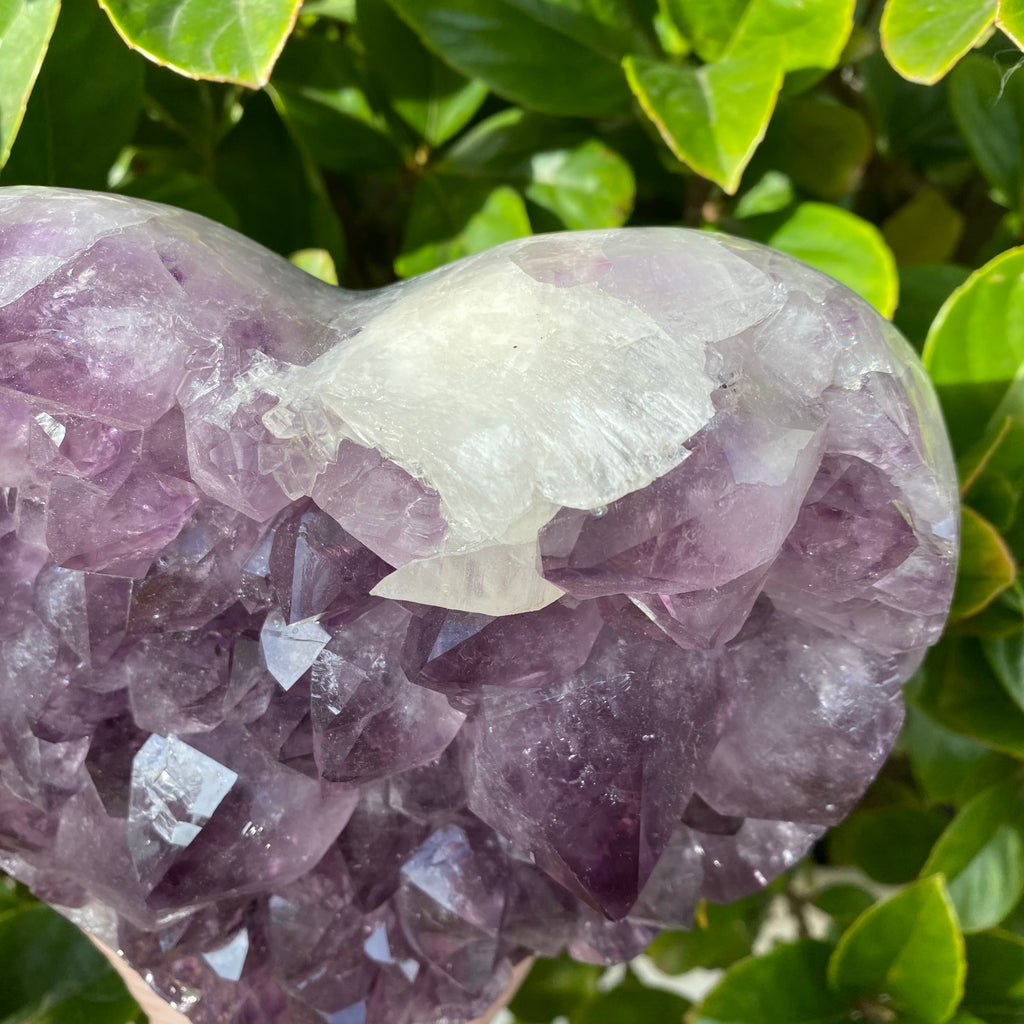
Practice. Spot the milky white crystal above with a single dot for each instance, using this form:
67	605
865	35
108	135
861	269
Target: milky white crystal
512	395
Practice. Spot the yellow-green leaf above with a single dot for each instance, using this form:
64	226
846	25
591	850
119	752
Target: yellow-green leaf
907	951
986	566
923	39
25	30
222	40
1011	20
712	117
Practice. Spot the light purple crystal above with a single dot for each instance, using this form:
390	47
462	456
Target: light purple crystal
354	647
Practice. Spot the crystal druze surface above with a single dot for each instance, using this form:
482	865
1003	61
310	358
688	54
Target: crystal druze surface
354	647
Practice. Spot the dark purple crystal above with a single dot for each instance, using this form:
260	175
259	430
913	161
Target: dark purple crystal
355	647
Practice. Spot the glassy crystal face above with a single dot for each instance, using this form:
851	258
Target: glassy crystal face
354	647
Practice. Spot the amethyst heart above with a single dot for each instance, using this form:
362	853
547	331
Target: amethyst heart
355	646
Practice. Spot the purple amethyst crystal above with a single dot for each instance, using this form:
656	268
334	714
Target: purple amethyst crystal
354	647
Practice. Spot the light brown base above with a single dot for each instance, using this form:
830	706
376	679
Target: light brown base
160	1013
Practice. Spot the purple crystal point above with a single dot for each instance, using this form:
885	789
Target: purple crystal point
355	646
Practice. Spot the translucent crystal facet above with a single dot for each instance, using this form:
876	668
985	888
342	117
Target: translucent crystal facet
355	646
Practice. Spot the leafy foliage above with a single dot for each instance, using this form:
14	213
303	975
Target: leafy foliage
882	141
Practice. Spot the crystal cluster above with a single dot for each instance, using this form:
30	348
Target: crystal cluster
354	647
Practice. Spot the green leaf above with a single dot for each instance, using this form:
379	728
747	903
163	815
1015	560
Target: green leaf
50	973
320	92
976	345
923	39
845	246
987	567
554	988
981	854
427	94
809	34
995	977
712	117
949	767
83	109
772	192
631	1003
1006	656
787	986
889	844
551	56
317	262
445	225
707	24
1011	20
574	177
222	40
923	290
908	950
822	145
988	105
720	936
960	692
925	229
25	30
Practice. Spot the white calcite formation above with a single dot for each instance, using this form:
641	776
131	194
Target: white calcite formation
354	647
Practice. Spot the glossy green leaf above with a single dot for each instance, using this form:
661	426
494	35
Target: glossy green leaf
712	117
988	105
809	34
429	95
786	986
554	988
84	107
1006	658
446	224
949	767
889	844
575	177
549	56
707	24
1011	20
987	567
925	229
842	244
321	94
976	345
720	936
50	973
25	30
908	950
961	692
995	977
981	854
223	40
923	290
923	39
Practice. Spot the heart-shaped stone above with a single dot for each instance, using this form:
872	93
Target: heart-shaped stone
355	646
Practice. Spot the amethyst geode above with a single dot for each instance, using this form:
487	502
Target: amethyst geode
355	646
